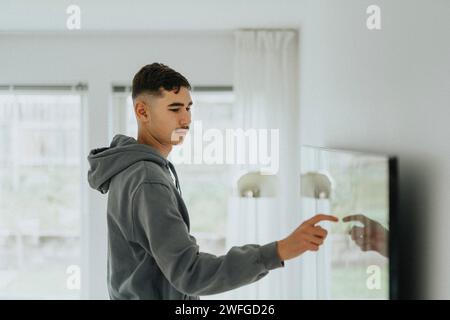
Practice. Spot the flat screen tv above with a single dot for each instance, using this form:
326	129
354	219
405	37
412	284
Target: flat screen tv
359	258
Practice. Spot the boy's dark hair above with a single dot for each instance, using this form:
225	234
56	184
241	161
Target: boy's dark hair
153	76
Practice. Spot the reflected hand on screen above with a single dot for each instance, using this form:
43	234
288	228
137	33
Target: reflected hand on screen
373	236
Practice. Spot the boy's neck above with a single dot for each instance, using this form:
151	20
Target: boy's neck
149	140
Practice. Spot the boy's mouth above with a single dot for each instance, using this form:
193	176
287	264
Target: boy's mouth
182	131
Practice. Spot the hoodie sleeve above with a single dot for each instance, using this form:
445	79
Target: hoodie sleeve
159	227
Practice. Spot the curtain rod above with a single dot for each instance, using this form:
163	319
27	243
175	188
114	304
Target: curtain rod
267	29
123	88
45	87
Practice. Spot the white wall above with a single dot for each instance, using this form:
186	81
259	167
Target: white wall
388	91
100	60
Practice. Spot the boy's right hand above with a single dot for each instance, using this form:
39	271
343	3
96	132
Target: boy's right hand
306	237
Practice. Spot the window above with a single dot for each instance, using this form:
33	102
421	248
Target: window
40	196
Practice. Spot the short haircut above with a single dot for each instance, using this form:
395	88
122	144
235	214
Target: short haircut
152	77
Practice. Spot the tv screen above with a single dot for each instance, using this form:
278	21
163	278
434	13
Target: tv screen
358	259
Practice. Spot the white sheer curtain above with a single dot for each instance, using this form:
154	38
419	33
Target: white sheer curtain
265	88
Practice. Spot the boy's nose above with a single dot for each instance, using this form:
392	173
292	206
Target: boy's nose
185	119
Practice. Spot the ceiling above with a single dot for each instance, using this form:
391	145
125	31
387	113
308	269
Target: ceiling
18	16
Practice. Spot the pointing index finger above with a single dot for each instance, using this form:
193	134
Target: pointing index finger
322	217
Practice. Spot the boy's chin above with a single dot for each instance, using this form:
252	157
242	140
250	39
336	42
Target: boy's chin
179	142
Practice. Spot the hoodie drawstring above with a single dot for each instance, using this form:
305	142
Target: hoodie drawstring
177	183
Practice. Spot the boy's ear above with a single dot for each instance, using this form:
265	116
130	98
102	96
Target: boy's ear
141	111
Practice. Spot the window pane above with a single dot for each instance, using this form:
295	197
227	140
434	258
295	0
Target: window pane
40	196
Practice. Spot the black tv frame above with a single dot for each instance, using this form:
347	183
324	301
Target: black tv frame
393	229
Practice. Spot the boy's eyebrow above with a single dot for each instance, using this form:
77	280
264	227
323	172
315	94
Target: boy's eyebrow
178	104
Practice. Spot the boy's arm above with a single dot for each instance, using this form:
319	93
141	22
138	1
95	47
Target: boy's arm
159	227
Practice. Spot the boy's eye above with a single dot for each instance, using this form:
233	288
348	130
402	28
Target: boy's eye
178	109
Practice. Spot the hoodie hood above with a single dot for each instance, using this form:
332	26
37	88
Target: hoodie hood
123	152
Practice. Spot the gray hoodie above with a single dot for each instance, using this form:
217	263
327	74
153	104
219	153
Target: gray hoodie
151	254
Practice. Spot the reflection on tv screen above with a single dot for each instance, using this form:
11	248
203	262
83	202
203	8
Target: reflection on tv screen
354	261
